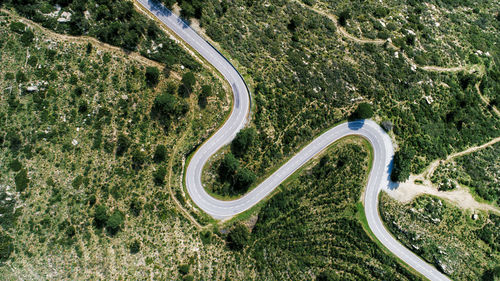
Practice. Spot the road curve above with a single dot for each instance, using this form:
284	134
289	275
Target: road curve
382	150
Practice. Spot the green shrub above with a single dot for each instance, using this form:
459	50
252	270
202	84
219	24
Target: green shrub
138	159
100	216
6	247
188	82
238	237
27	37
77	182
228	167
152	76
135	247
364	111
242	141
115	222
122	145
15	165
243	179
21	180
160	153
184	269
159	176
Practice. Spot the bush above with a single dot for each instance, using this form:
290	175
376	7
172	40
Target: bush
327	275
364	111
17	27
135	247
160	153
100	216
27	37
188	82
242	141
6	247
159	176
152	76
21	180
122	145
243	179
206	91
228	167
138	159
114	222
15	165
135	206
238	237
184	269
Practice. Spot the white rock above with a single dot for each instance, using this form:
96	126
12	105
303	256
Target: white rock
32	88
65	17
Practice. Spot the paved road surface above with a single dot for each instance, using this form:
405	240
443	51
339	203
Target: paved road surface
378	178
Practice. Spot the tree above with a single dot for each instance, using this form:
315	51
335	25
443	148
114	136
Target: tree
135	247
166	107
327	275
206	91
188	82
228	166
138	159
100	216
135	206
21	180
401	165
243	179
343	17
152	76
159	176
238	237
6	247
114	222
122	145
242	141
27	37
364	111
15	165
295	22
184	269
160	153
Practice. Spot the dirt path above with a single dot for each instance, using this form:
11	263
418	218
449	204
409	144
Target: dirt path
461	196
86	39
388	43
421	184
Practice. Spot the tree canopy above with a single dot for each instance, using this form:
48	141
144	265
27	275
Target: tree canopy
238	237
242	141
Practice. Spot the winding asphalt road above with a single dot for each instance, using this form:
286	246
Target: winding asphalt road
382	150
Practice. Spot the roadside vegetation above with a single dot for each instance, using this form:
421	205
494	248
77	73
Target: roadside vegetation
306	77
463	244
87	135
116	22
480	171
312	227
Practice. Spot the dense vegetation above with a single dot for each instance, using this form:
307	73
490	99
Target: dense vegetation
112	21
307	77
312	226
463	244
86	159
479	170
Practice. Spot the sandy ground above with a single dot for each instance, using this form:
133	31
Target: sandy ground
461	196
